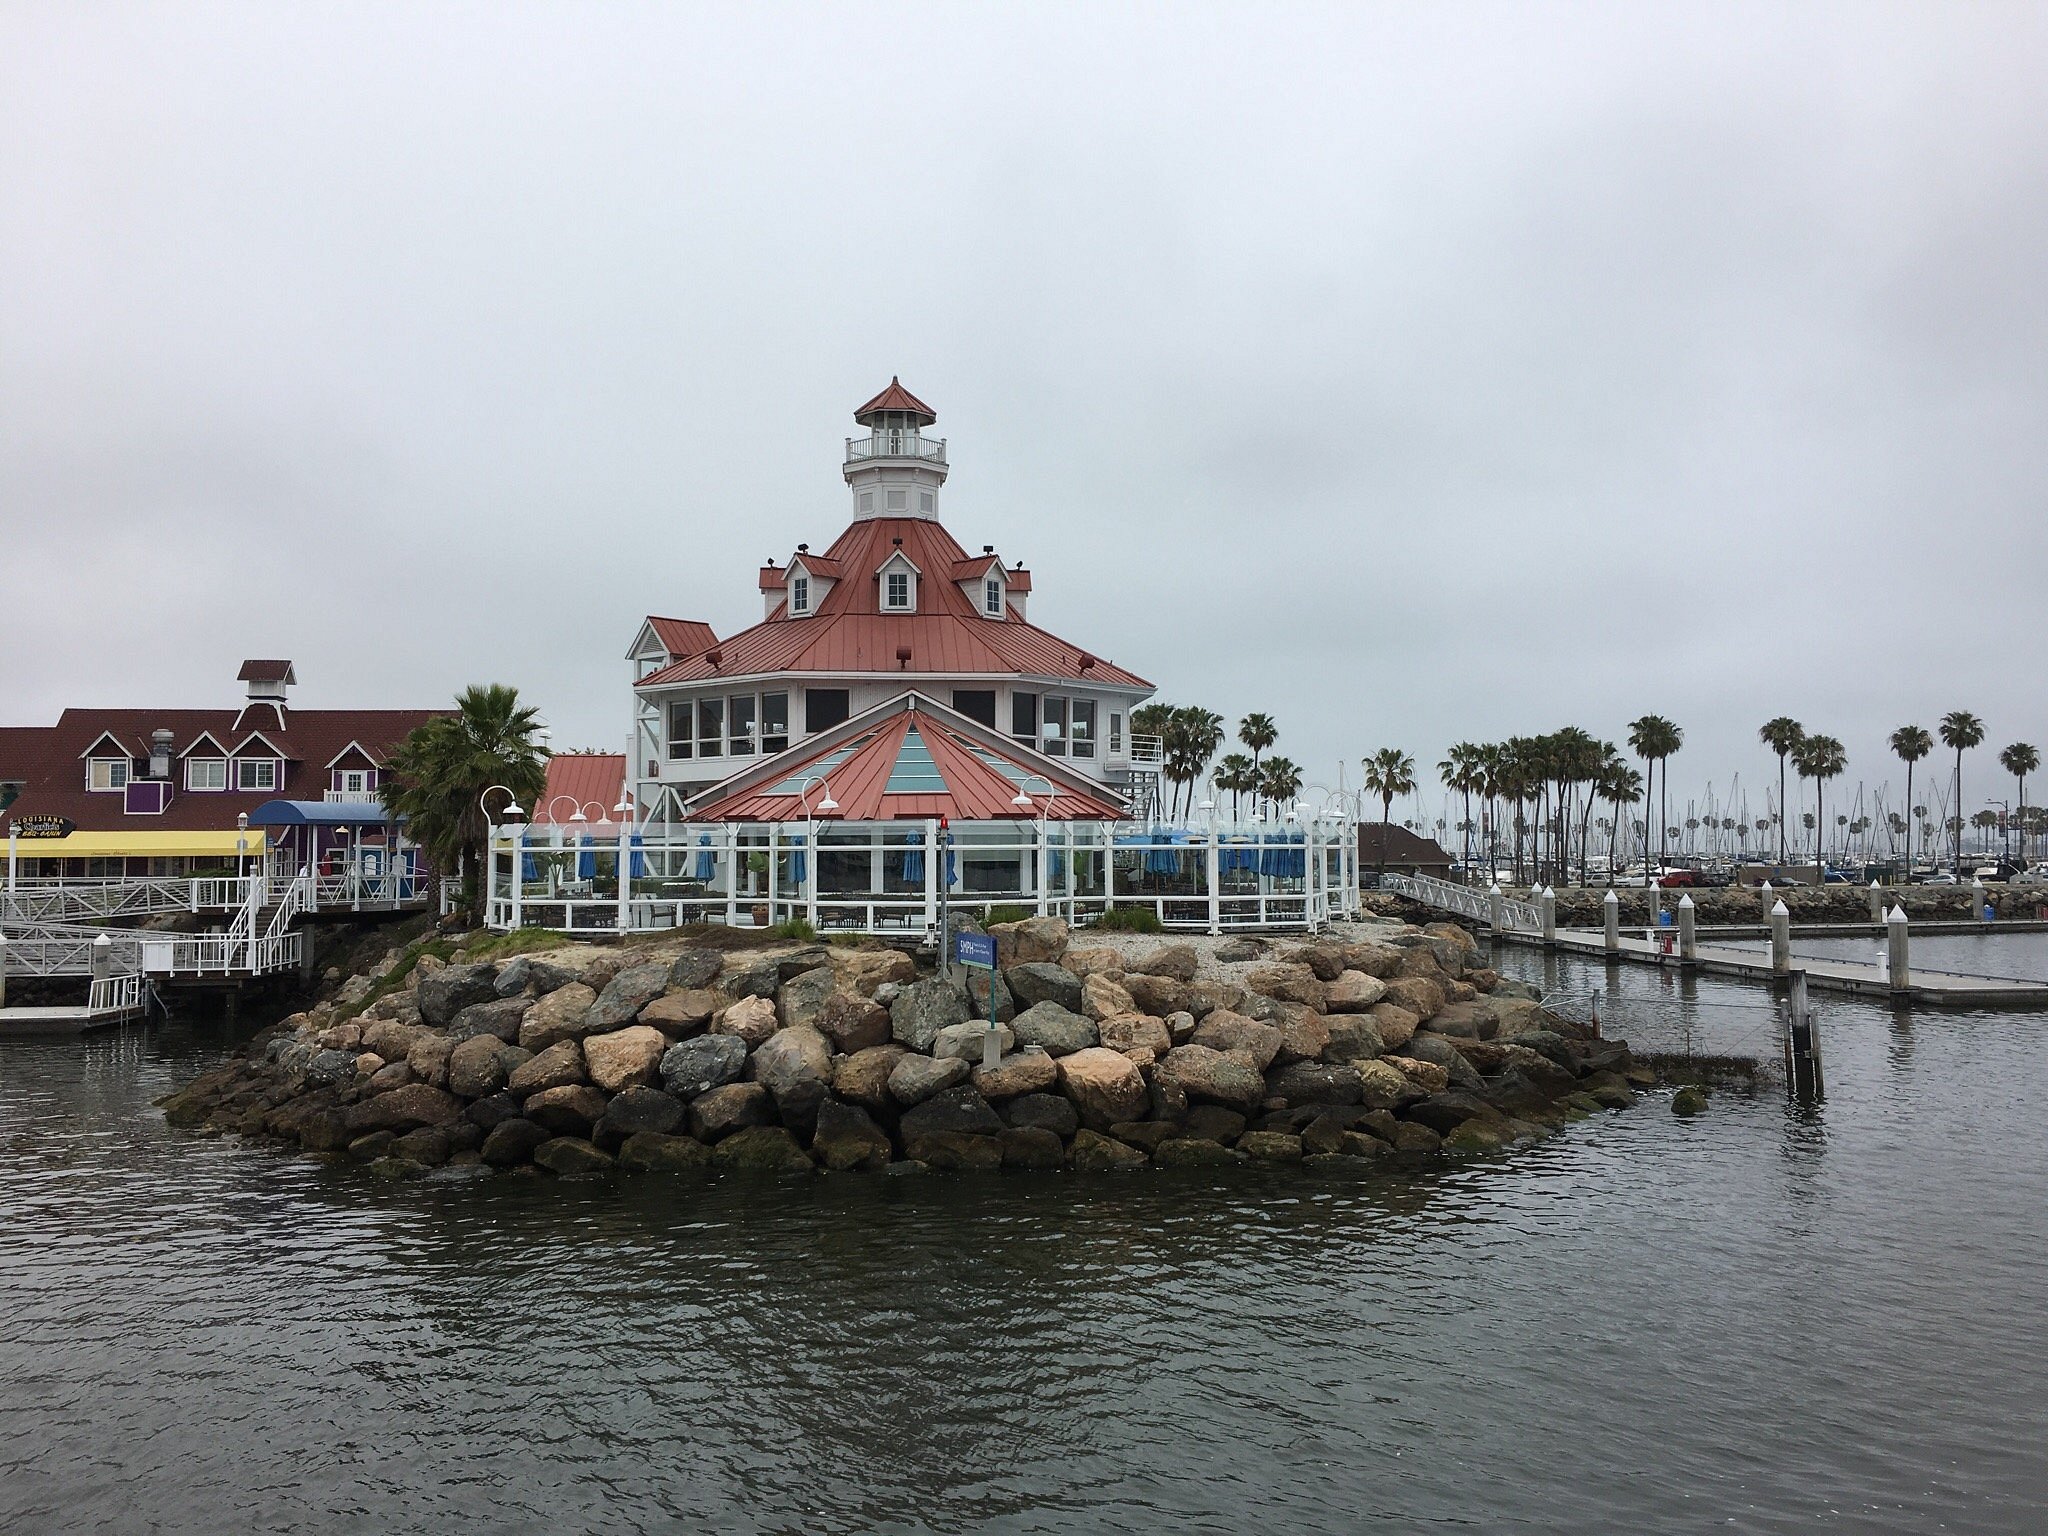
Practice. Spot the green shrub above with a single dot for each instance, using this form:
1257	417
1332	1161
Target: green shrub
1128	920
1004	914
792	928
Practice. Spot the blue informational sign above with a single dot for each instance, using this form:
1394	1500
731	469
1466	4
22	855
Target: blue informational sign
977	949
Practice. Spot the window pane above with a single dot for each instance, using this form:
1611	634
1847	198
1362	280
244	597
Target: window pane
824	708
1024	716
899	589
679	743
710	727
1116	732
1053	731
800	594
774	721
742	725
1084	727
992	597
977	704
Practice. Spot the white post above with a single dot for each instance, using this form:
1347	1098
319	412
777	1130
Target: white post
1688	947
625	917
1876	903
1976	901
1655	907
102	957
1547	906
13	857
1781	939
774	847
3	970
518	877
1610	914
1044	864
1895	926
1108	865
811	876
1213	868
732	875
932	854
1496	908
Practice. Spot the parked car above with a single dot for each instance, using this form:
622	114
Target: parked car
1935	877
2038	875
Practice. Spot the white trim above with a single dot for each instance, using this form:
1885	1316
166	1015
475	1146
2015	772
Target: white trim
355	746
276	776
120	746
127	766
206	736
206	789
275	749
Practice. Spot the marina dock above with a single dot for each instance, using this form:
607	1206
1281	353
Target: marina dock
67	1018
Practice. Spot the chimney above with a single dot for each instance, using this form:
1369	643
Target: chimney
160	754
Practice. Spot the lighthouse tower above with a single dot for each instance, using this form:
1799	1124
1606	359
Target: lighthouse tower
895	471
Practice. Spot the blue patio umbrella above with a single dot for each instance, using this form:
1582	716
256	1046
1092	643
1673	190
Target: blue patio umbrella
637	864
799	867
913	858
586	861
528	870
707	862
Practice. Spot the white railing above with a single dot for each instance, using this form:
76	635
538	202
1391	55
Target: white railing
895	443
353	797
1147	752
357	889
58	901
1464	900
123	992
62	951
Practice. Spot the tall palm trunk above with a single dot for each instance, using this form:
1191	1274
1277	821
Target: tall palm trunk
1909	821
1959	816
1781	807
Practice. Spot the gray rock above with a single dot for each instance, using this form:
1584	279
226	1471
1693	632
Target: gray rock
749	975
1040	981
848	1138
1311	1082
493	1110
924	1008
1031	1149
1212	1122
499	1017
913	1078
655	1152
699	1065
795	1066
1445	1112
404	1109
619	1004
512	1142
802	998
1054	1029
1043	1111
513	977
444	993
1422	1046
330	1067
954	1111
762	1149
570	1158
481	1064
633	1110
695	968
722	1111
977	995
1239	951
569	1111
1214	1076
966	1040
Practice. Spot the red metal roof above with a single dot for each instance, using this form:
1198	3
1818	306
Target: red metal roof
264	672
966	758
772	578
847	632
593	780
46	759
895	398
683	637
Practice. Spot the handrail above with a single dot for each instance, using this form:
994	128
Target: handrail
1464	900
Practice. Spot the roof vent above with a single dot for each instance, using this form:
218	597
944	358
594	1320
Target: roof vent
803	549
897	541
902	656
988	549
160	753
714	657
267	680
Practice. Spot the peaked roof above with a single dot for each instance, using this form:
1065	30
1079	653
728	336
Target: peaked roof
847	632
583	777
682	637
895	398
907	760
265	672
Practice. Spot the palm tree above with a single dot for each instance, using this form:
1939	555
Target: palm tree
1618	784
2019	760
439	774
1910	743
1279	780
1257	732
1820	758
1654	739
1389	772
1234	775
1463	771
1782	736
1960	730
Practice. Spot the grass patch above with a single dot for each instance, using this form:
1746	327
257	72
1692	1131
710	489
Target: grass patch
1128	920
1004	914
793	928
518	941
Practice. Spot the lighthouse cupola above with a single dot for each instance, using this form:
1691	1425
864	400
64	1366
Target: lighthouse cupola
895	471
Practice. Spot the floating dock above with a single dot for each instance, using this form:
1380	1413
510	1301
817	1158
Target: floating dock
66	1019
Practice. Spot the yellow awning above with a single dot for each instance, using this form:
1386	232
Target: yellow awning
139	845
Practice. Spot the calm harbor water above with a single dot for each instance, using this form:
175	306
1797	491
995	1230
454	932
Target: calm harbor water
1765	1319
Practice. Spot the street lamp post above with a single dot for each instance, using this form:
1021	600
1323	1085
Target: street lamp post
514	815
827	805
1023	802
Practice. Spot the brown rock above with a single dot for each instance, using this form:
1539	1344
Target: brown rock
390	1039
1156	995
914	1078
752	1019
404	1109
1035	938
1270	1146
853	1022
481	1064
795	1065
1353	992
956	1150
860	971
1223	1031
1418	994
1426	1075
1100	961
567	1111
1136	1031
1382	1086
428	1058
1027	1071
728	1109
1102	998
1094	1152
625	1058
558	1016
560	1065
680	1015
863	1077
1381	960
1326	961
1230	1078
1212	1122
1396	1025
1177	962
1304	1037
802	998
1206	996
1104	1086
1287	983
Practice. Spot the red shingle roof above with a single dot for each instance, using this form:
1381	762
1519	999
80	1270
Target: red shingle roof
47	760
895	398
847	633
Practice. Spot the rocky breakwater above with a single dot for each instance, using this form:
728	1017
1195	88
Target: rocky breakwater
807	1056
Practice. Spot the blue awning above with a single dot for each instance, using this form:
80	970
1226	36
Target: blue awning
317	813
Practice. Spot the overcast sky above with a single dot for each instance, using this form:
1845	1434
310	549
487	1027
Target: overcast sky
1410	373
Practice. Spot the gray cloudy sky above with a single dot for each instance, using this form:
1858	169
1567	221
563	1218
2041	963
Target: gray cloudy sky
1411	373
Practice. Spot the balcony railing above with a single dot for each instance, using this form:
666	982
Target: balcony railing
1147	751
895	443
353	796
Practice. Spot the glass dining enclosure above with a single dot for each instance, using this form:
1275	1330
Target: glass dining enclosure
896	876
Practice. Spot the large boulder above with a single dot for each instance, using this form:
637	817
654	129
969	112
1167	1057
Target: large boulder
1028	1149
1030	1070
863	1077
1043	1111
1325	961
1093	1152
914	1078
1192	1152
444	993
636	1110
512	1142
1353	992
762	1149
802	998
1099	960
978	982
1229	1078
661	1152
572	1158
404	1109
1445	1112
700	1065
695	969
1375	959
1381	1086
1033	939
795	1066
1207	995
571	1111
1425	1075
558	1016
1157	995
428	1058
1418	994
1224	1031
1129	1032
624	1058
1105	1086
391	1039
853	1022
955	1150
623	997
753	973
1040	981
1304	1035
1425	1046
848	1138
499	1017
525	975
861	971
968	1041
722	1111
1054	1029
1212	1122
556	1067
1102	998
1287	983
1352	1037
682	1014
751	1020
1395	1024
955	1111
1176	962
1313	1082
924	1008
481	1064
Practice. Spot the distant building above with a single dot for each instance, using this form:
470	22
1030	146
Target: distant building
1405	852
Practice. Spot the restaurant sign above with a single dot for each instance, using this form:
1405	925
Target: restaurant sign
44	826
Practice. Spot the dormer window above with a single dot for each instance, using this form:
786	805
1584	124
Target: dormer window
800	594
256	774
107	774
896	591
992	598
